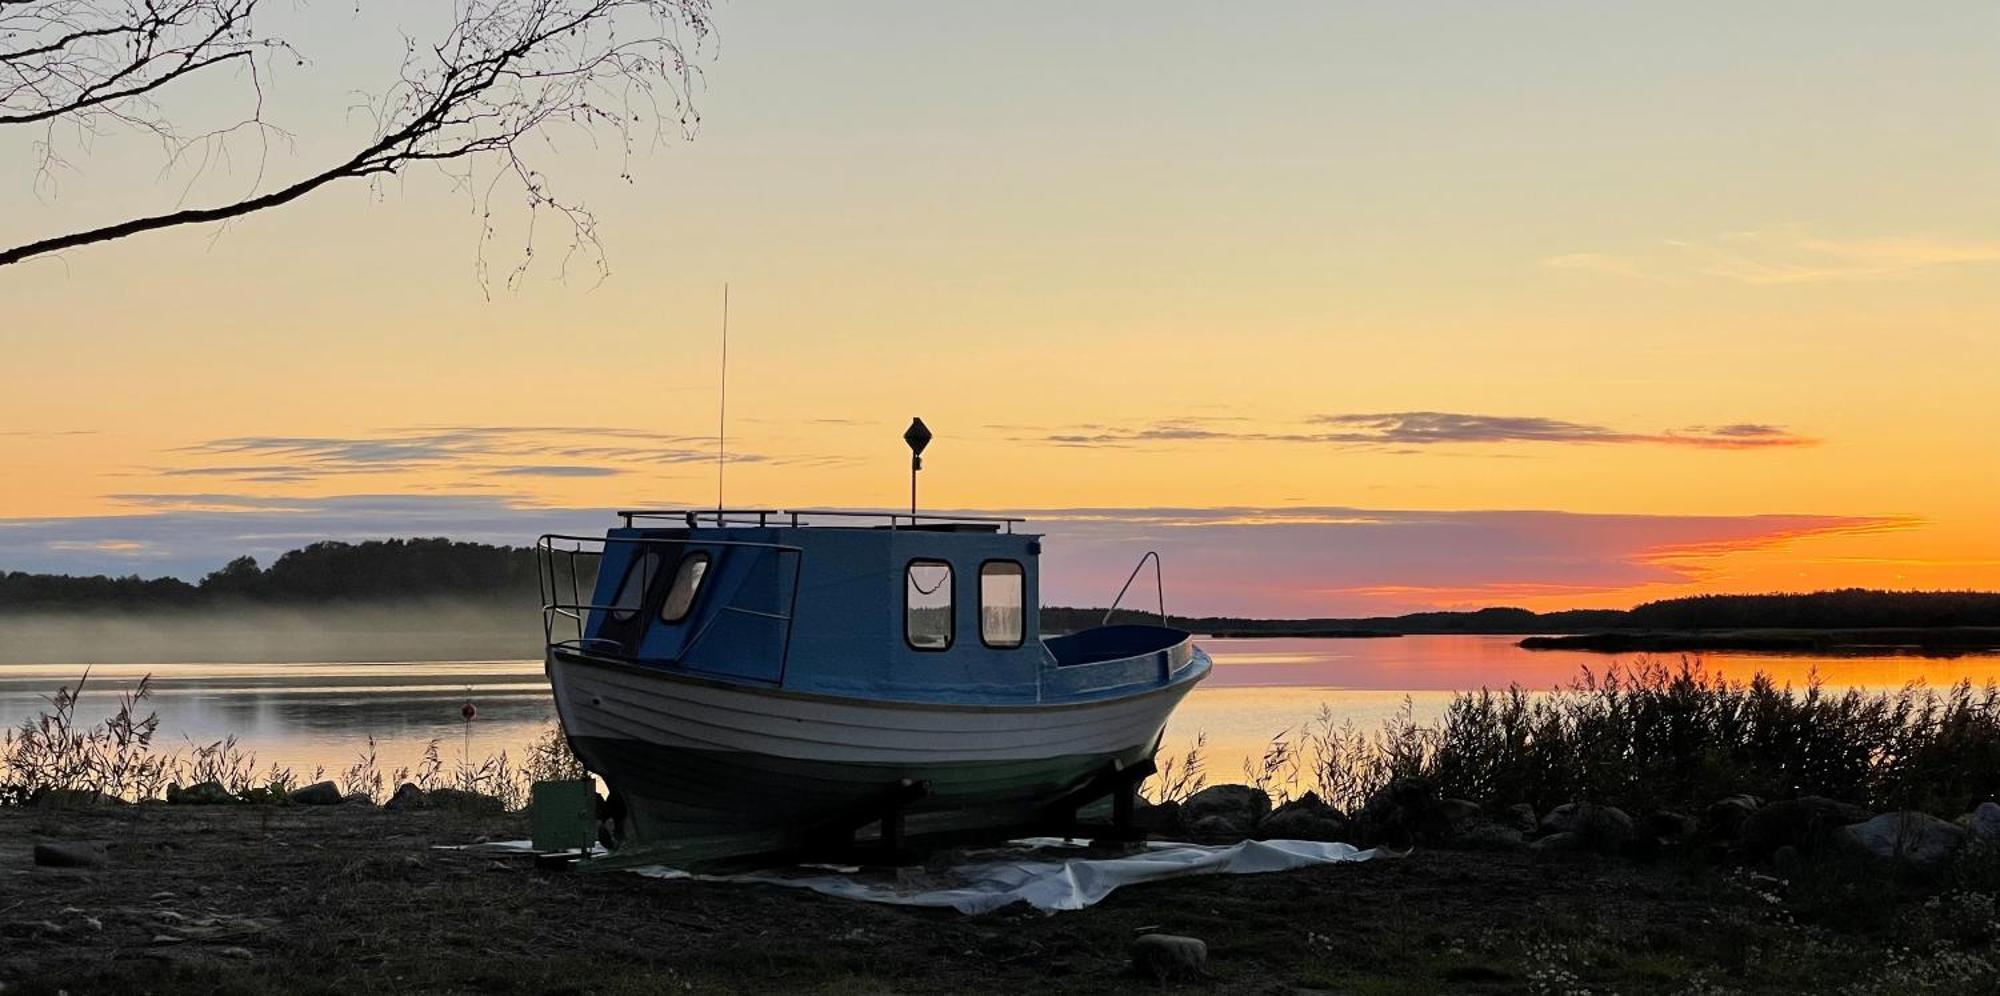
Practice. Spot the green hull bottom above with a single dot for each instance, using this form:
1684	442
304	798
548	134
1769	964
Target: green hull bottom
674	793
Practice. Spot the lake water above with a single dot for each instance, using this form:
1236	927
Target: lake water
320	716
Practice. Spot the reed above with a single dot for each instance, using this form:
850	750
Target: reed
1656	734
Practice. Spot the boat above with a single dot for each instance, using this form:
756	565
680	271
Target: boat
801	675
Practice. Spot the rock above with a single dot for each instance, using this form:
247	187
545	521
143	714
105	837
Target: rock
1918	840
1458	810
1520	816
1787	860
1162	819
1601	828
464	802
1667	824
317	794
408	796
1242	805
1806	823
1725	817
1169	958
358	799
210	793
73	855
1304	818
1216	830
1561	842
1485	835
1404	811
72	798
1985	822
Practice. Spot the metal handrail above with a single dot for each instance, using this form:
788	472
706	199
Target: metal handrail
723	516
1159	587
576	610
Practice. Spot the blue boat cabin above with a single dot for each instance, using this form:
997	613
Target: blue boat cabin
924	609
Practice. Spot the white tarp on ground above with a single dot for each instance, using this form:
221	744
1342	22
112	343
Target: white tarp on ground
1035	872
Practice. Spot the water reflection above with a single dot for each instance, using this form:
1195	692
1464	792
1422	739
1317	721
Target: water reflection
321	716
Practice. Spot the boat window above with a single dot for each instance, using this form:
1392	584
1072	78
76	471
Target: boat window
1002	592
687	582
927	605
632	591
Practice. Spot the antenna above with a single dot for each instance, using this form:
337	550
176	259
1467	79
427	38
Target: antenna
722	404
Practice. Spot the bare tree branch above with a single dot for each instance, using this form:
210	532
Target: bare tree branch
505	73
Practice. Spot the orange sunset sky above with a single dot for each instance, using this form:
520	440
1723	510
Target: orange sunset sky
1345	308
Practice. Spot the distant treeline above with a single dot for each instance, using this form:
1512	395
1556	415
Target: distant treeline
401	570
374	571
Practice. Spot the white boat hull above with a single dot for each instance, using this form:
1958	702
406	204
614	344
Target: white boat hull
693	756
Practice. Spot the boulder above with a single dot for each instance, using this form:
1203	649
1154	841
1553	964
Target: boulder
1169	958
1806	823
1666	824
465	802
1304	818
1724	818
69	855
1561	842
1985	822
1216	830
210	793
317	794
1918	840
408	796
1242	805
1459	810
358	799
1521	816
1601	828
72	798
1162	819
1485	835
1404	811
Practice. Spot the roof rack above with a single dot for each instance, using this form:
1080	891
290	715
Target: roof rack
798	517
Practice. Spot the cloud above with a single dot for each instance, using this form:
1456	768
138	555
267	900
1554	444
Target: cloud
1292	561
1404	430
554	470
493	450
1785	256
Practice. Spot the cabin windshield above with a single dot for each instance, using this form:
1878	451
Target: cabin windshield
1002	590
687	583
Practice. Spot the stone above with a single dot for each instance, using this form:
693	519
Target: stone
1304	818
1162	819
1242	805
317	794
1405	811
465	802
70	855
1561	842
1725	817
210	793
1458	810
358	799
1601	828
1787	860
1985	822
1521	816
1918	840
1216	829
1666	824
408	796
1806	823
1485	835
72	798
1169	957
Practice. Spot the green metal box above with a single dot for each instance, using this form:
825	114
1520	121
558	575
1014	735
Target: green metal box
563	814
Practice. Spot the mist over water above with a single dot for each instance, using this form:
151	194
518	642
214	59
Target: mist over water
300	690
443	630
